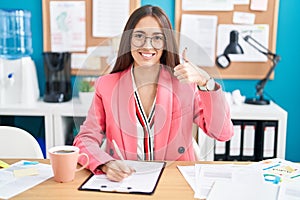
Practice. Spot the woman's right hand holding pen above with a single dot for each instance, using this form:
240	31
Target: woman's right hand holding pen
117	170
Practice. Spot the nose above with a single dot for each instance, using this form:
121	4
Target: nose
148	42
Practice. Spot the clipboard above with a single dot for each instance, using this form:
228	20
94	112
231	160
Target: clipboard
143	181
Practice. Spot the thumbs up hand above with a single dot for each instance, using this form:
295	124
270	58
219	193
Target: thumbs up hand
187	72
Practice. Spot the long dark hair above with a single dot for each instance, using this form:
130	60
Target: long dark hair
170	53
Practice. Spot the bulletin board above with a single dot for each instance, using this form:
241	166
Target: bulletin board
90	40
240	70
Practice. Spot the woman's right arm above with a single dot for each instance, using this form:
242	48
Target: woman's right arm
92	133
90	138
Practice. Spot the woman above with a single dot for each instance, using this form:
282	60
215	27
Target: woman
149	101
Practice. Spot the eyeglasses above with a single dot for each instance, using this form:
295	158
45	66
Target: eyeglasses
139	40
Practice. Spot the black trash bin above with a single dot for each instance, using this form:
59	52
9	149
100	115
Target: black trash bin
58	76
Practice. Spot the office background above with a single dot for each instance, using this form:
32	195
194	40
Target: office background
284	89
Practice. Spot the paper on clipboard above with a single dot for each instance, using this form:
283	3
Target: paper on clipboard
143	181
260	32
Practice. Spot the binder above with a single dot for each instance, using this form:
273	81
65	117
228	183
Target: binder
266	140
249	129
235	142
269	139
220	151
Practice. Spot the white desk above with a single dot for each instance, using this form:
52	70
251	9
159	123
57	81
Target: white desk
58	118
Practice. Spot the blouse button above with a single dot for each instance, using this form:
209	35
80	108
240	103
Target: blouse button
111	152
181	150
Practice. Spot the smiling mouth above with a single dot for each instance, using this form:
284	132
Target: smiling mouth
147	55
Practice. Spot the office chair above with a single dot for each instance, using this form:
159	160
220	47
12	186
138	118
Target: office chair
197	150
18	143
203	145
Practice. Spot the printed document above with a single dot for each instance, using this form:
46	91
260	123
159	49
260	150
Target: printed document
67	26
207	5
109	17
198	35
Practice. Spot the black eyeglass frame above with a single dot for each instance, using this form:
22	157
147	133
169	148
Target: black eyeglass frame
145	39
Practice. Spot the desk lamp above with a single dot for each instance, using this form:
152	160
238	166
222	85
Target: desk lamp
223	61
233	47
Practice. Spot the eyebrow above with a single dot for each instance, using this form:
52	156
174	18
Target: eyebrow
155	33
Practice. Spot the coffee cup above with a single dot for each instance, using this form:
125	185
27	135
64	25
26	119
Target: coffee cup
64	161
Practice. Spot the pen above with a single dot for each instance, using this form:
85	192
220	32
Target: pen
117	150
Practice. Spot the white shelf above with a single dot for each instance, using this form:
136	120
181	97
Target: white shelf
59	116
254	112
53	114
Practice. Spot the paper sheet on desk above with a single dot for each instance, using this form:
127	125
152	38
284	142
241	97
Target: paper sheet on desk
201	177
207	175
246	191
284	187
289	191
188	173
278	170
11	185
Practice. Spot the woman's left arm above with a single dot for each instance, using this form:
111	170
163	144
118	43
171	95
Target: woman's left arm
212	112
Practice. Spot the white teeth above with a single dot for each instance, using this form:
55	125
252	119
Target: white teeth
148	55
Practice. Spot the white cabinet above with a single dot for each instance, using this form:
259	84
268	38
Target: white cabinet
58	117
40	109
247	112
68	116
